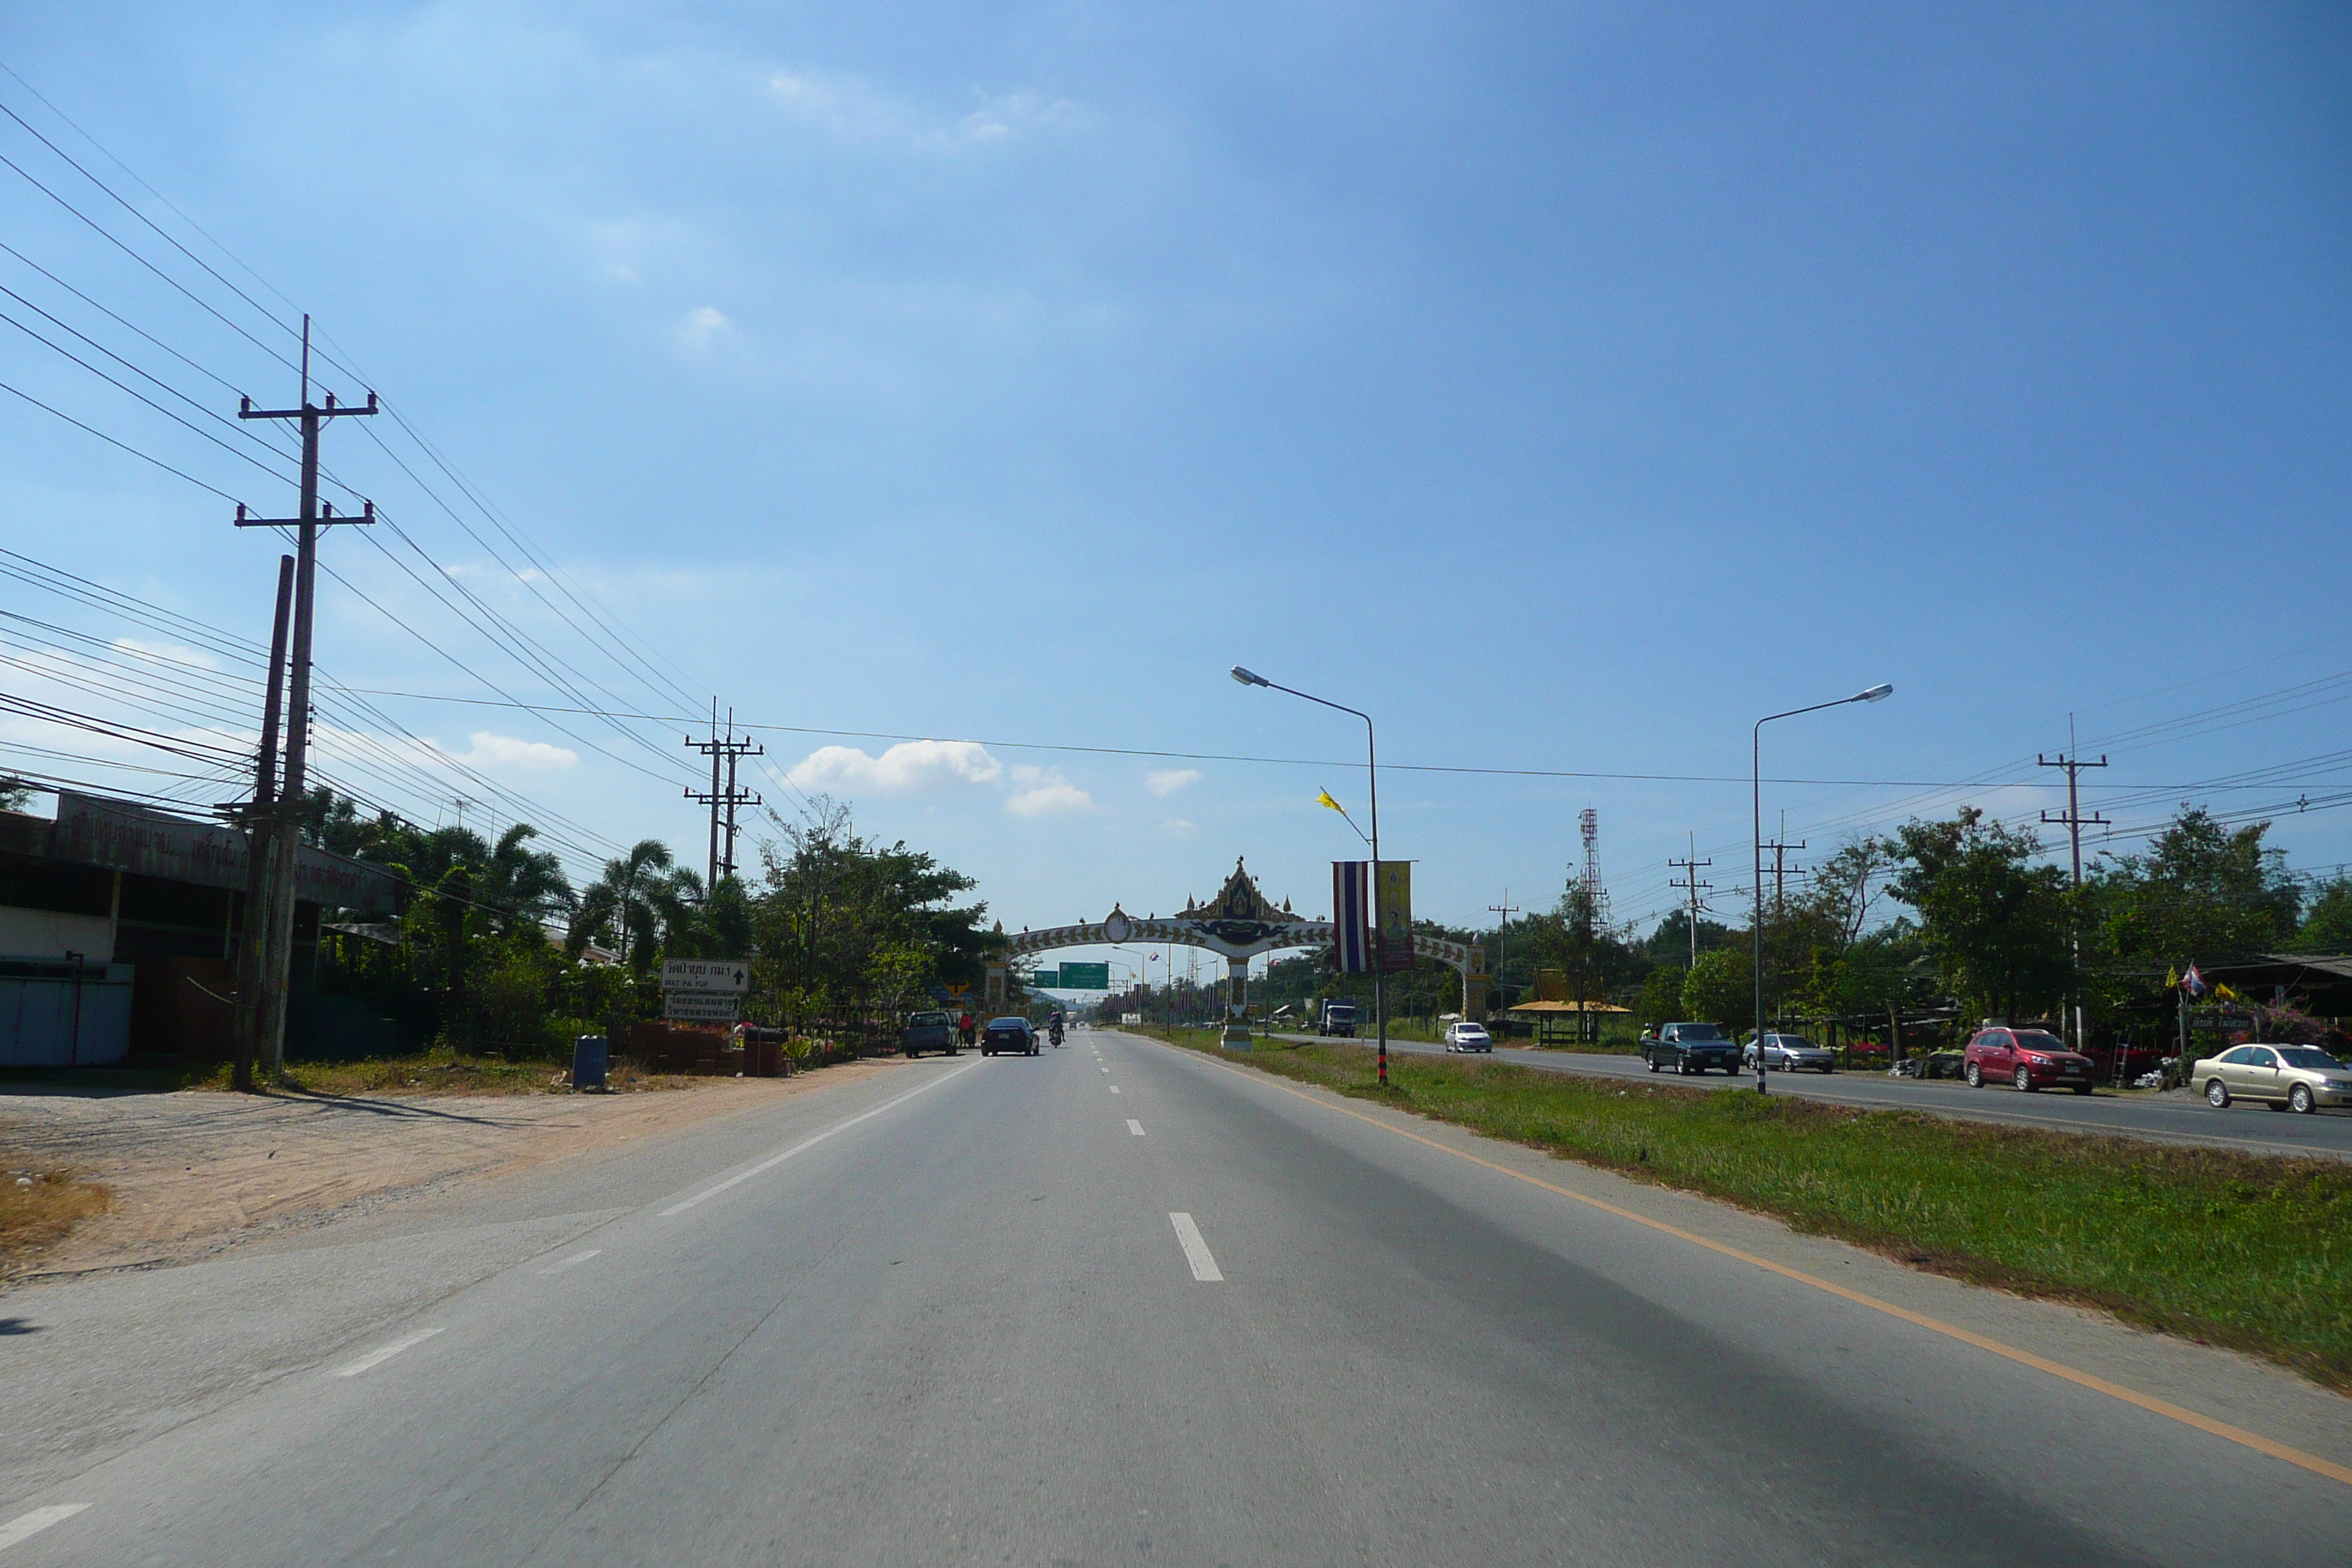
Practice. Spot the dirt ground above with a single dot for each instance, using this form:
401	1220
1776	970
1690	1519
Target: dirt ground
193	1173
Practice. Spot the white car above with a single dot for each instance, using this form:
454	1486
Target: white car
1791	1053
1467	1037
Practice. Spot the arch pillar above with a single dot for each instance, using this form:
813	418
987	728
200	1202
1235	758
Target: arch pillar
1237	1032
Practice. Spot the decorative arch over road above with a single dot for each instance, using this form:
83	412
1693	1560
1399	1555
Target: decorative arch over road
1238	924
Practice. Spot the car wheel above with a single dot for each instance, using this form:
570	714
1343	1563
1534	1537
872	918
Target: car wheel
2273	1105
2082	1088
2217	1094
2301	1099
2024	1080
1651	1063
1975	1075
912	1053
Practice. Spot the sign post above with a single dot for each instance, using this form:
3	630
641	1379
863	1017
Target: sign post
704	990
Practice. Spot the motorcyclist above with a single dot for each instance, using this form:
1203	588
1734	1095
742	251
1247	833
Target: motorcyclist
1054	1030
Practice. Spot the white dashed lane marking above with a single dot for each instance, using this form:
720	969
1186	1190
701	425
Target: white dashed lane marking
39	1520
383	1354
575	1261
1196	1251
1135	1127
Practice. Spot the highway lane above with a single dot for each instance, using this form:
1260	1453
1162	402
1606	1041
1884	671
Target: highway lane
990	1310
2181	1119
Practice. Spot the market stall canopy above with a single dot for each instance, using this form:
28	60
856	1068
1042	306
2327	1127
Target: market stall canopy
1568	1007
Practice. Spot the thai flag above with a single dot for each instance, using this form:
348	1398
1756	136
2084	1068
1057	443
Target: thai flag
1351	914
2193	982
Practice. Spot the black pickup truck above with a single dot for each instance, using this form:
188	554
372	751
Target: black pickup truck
1690	1048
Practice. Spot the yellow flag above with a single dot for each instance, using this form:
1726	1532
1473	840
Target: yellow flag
1324	798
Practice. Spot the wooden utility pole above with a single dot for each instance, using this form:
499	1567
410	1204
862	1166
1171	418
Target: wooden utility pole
254	817
1505	910
286	830
1779	897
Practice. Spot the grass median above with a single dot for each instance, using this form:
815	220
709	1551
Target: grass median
2242	1251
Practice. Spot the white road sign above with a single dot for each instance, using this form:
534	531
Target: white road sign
731	976
700	1006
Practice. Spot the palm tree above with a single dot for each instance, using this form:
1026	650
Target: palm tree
520	883
620	898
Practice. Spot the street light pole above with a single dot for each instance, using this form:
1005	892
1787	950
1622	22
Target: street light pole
1756	844
1373	772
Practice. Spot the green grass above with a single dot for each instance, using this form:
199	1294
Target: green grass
2242	1251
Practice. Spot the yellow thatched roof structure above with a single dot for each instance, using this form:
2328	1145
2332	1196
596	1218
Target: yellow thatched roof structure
1569	1007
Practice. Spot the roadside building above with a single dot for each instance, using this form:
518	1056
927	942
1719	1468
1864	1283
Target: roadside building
118	928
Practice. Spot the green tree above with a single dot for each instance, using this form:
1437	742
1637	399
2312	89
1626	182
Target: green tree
1720	989
1661	999
2327	925
2203	893
1995	924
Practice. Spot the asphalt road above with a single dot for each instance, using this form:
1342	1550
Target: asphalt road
1120	1304
2172	1118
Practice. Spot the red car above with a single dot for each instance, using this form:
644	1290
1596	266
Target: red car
2030	1059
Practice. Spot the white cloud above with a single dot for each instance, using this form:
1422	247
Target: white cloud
704	326
167	650
506	751
1167	781
1182	827
905	768
1056	799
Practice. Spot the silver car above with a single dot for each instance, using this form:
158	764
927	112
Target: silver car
2284	1078
1791	1053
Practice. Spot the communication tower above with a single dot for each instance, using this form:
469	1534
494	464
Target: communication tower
1596	896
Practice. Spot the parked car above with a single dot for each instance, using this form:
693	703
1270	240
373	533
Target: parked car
1008	1037
930	1031
1791	1053
1468	1036
2030	1059
1690	1048
2284	1078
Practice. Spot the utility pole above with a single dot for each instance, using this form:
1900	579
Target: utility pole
724	797
2075	822
1502	935
286	837
254	817
1690	884
1780	896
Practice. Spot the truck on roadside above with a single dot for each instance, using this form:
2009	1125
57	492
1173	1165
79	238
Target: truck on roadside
1335	1018
930	1031
1689	1049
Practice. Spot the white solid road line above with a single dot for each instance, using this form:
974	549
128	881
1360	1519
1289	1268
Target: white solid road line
383	1354
1196	1251
772	1161
39	1520
575	1261
1135	1127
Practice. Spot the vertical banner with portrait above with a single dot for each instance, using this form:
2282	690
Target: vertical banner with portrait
1393	914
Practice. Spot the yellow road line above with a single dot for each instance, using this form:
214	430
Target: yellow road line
2132	1396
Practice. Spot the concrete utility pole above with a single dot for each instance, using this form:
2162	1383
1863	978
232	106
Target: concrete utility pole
254	816
1690	884
1780	896
2075	822
724	797
286	837
1506	910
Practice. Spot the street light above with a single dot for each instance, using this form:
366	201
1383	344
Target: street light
1373	769
1756	842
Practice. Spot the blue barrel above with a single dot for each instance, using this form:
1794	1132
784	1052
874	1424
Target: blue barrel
588	1062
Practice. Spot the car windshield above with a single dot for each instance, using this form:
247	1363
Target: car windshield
928	1020
1008	1023
1791	1042
1472	1028
1698	1032
2035	1040
2307	1057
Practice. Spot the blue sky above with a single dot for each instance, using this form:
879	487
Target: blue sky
1567	385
